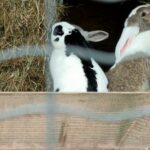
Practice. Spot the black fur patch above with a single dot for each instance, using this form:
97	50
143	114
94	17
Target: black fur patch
57	39
90	74
68	53
58	30
57	90
76	39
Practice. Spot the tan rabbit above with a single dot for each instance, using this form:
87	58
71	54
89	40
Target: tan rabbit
131	71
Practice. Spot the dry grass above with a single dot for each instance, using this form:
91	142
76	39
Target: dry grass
26	74
22	23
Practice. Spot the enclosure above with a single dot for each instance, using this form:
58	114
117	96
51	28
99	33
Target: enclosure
31	115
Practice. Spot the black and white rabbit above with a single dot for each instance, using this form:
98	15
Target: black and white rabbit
71	72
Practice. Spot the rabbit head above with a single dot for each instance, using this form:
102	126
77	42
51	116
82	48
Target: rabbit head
59	31
62	29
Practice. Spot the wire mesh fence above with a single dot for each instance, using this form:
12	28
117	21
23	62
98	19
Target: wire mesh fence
70	121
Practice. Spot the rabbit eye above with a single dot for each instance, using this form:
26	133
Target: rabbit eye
76	30
143	14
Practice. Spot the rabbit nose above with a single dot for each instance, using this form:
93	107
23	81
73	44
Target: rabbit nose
58	30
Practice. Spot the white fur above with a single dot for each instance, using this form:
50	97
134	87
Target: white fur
67	72
101	77
140	44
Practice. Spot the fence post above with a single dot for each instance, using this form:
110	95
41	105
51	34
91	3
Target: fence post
50	19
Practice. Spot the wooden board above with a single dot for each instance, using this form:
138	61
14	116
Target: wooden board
72	131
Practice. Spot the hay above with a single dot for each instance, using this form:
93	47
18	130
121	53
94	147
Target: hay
22	23
26	74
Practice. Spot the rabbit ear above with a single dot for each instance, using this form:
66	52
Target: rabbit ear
93	36
96	36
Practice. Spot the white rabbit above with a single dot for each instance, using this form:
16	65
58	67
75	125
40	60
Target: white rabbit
136	33
70	72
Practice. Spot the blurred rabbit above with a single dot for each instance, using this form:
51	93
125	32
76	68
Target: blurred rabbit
131	71
136	33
